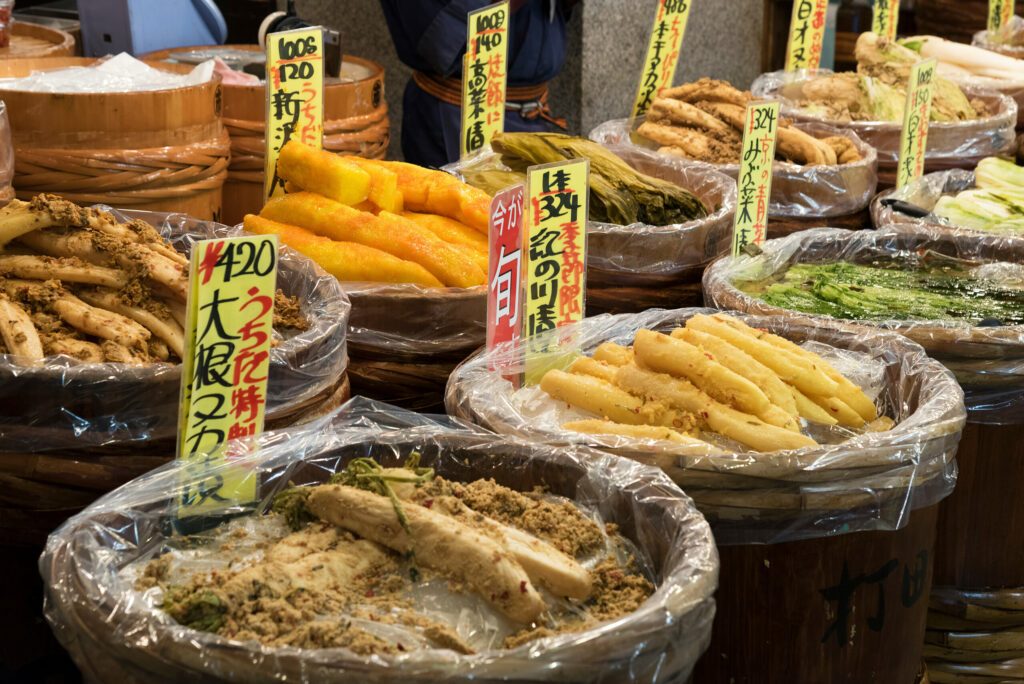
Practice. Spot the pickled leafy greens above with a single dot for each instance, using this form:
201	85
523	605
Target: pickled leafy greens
926	289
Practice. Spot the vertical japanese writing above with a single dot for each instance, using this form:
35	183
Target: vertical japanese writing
294	96
555	256
884	18
226	365
914	136
662	52
999	13
504	290
844	595
484	77
754	183
806	34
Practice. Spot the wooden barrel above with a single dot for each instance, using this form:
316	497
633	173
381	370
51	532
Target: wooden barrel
355	122
162	150
849	608
33	41
976	623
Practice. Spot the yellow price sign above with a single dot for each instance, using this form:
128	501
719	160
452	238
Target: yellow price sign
754	183
295	97
232	283
484	76
556	270
662	52
916	113
806	34
999	14
885	16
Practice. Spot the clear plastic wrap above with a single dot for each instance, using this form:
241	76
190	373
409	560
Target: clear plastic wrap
114	635
988	362
925	193
797	191
641	254
850	482
1009	41
69	404
409	321
121	73
950	145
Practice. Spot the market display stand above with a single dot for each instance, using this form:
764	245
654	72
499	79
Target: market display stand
355	122
161	150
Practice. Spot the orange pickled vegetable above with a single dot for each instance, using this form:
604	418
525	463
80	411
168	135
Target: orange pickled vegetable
346	261
386	231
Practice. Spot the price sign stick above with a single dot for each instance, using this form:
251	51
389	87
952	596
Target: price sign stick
484	77
505	269
663	51
754	183
232	283
999	14
556	248
806	34
916	113
295	97
885	16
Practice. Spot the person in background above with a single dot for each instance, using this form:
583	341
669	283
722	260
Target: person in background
430	37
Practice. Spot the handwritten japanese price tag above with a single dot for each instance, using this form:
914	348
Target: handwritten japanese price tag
232	283
556	219
806	34
662	52
754	183
295	96
483	77
999	14
885	15
914	136
504	277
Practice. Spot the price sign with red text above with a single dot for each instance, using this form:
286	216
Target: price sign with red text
295	96
556	248
999	14
484	77
232	283
754	183
885	16
914	136
662	52
505	268
806	34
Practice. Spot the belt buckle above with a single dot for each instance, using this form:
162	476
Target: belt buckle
530	107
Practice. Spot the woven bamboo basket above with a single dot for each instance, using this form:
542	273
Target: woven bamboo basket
33	41
162	150
355	122
404	341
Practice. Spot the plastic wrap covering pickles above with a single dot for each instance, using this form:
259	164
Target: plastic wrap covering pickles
70	400
960	296
618	193
109	618
989	200
756	482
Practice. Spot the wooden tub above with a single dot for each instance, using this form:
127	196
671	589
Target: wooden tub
355	122
161	150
